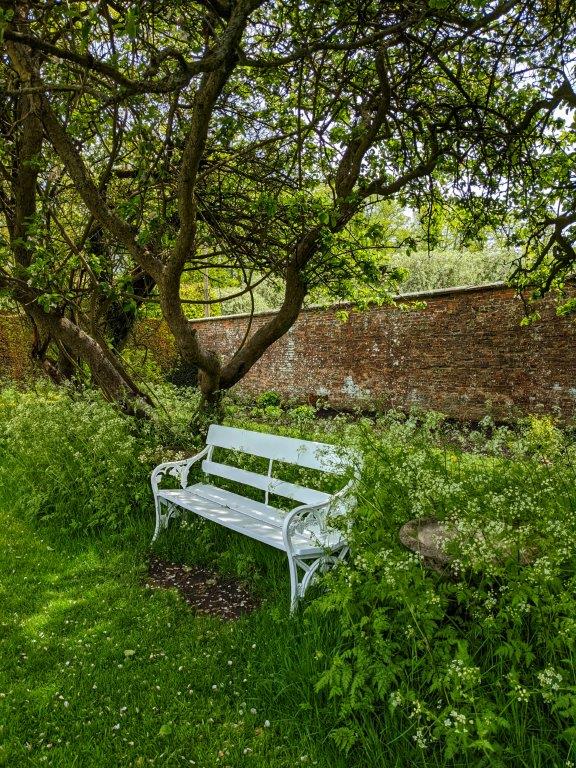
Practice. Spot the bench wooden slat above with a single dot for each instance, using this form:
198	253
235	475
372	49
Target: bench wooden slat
219	496
303	453
266	483
237	519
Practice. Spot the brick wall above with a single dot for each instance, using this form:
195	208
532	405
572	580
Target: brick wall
464	354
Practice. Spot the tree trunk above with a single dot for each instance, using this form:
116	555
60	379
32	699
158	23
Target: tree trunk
106	370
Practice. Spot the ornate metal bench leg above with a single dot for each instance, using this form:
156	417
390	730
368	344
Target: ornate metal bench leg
310	568
298	588
294	588
162	519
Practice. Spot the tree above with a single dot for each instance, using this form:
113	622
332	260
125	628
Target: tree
545	231
147	141
523	183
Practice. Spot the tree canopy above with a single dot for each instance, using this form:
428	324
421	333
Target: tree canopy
145	143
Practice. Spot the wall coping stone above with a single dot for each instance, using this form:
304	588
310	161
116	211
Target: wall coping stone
415	296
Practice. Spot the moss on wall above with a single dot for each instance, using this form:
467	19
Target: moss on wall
15	345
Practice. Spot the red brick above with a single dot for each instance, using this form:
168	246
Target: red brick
465	354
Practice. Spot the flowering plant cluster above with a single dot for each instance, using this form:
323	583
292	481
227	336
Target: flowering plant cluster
464	657
69	458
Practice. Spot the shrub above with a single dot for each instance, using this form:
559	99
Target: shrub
475	666
70	459
268	398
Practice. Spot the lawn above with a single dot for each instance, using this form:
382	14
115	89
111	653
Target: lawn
98	670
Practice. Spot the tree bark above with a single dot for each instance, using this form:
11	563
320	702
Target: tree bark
108	373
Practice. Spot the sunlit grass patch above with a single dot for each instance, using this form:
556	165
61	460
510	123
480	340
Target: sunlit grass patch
96	670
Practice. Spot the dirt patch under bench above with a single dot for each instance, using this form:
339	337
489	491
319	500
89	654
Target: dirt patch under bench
206	591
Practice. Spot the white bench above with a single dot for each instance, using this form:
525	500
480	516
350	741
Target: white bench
303	533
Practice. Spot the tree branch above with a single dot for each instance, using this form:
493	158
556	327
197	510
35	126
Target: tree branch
186	71
89	193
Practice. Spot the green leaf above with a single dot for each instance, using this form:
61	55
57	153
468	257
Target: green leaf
132	23
344	738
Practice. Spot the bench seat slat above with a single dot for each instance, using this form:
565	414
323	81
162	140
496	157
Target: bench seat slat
251	518
215	495
266	483
303	453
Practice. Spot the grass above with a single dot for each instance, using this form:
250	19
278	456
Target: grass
97	670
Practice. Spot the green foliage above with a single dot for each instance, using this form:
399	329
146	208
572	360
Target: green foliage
268	398
464	662
393	663
446	267
390	256
142	363
567	307
68	459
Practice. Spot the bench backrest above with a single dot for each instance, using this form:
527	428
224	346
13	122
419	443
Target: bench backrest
288	450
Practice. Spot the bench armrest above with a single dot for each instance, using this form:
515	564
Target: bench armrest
177	469
312	517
